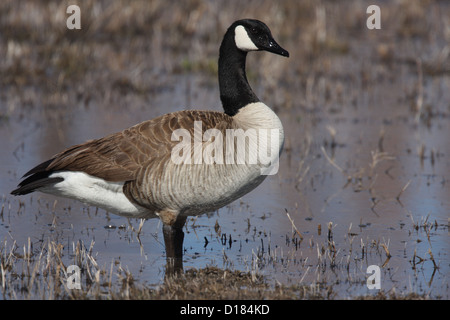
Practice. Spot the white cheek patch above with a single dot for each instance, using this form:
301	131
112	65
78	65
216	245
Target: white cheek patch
242	40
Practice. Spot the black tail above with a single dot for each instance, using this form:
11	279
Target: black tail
38	177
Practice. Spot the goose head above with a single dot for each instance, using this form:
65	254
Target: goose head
242	37
254	35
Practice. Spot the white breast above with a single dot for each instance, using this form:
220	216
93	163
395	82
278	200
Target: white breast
259	116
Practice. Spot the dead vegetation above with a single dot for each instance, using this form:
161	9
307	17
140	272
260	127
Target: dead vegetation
42	273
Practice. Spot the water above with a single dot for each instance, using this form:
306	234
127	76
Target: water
358	188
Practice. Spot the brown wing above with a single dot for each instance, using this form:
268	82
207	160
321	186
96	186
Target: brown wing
121	156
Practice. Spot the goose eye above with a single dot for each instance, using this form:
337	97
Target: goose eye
254	30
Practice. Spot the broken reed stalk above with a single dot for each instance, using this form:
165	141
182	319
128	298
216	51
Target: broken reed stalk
293	225
419	97
331	161
386	249
403	190
330	231
139	229
432	259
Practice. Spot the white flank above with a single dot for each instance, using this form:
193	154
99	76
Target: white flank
242	40
96	192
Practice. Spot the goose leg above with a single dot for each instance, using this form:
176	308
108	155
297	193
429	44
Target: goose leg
173	240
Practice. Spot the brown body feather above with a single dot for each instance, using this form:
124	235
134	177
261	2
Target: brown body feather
137	156
122	155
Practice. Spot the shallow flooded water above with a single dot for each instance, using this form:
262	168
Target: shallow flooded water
364	178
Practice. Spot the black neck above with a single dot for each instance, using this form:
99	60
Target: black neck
235	92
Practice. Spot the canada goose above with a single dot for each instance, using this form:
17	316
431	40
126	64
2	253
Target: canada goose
132	173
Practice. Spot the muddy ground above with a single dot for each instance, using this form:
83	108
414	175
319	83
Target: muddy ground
364	178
